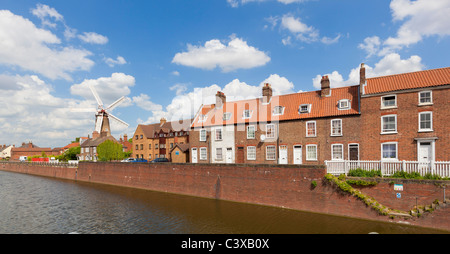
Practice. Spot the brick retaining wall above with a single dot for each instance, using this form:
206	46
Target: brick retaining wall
285	186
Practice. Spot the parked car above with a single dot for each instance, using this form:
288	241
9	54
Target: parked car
140	160
160	160
128	160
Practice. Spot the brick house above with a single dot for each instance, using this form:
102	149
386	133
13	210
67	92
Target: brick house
406	116
89	146
156	140
299	128
29	149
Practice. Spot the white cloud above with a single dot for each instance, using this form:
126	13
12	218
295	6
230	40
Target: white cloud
388	65
421	18
118	61
235	3
179	88
108	88
302	31
237	54
32	103
43	12
93	38
143	101
29	47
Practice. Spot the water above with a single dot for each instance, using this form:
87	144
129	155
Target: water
40	205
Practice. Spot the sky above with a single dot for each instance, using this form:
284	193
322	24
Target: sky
168	57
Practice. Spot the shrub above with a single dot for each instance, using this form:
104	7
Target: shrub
364	173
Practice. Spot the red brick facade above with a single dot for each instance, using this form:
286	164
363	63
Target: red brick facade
412	124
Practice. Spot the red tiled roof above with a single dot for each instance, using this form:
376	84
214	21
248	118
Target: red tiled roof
262	112
427	78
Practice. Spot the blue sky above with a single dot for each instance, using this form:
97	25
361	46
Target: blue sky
168	57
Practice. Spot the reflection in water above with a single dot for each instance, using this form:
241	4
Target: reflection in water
31	204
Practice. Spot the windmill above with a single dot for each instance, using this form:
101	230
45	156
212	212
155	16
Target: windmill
102	114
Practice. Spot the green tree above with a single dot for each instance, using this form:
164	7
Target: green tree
70	154
110	150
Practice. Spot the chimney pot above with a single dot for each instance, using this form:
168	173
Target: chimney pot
325	86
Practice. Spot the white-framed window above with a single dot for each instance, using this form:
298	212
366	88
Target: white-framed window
304	108
426	121
311	152
344	104
336	127
270	130
219	155
202	135
389	101
251	152
202	118
389	124
247	114
311	129
251	132
226	116
278	110
337	151
425	98
203	154
156	146
270	153
389	151
218	132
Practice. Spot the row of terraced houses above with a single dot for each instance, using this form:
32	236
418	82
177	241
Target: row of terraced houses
390	118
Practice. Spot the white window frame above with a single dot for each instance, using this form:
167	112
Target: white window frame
226	116
202	136
219	156
315	129
274	153
431	121
387	107
333	154
389	131
254	131
202	118
344	104
340	127
253	153
281	111
308	157
250	112
272	133
201	151
300	111
396	151
218	134
426	103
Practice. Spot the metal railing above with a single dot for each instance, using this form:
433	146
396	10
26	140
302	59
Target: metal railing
438	168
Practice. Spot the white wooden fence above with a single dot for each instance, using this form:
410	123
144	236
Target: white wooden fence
440	168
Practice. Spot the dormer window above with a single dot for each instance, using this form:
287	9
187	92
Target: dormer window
278	110
202	118
304	108
344	104
226	116
247	114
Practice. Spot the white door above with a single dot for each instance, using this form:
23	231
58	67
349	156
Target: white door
297	154
194	155
425	155
283	155
425	152
229	155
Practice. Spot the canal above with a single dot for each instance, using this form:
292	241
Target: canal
40	205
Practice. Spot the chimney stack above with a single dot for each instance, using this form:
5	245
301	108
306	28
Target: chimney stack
162	121
221	99
267	93
362	78
325	85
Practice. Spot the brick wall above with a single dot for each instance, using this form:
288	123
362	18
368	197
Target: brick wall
285	186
